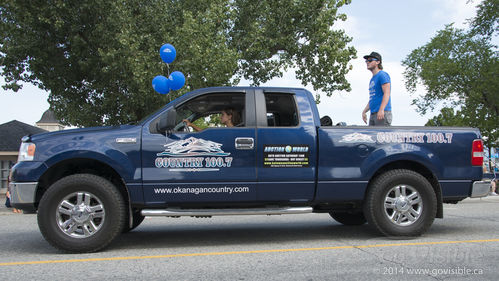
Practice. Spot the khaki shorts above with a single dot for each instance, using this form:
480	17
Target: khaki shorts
373	120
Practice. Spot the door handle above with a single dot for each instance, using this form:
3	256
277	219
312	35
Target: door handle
245	143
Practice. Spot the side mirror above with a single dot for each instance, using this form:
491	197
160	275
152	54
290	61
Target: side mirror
167	121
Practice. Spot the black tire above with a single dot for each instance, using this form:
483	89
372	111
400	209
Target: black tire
408	214
81	213
347	218
137	219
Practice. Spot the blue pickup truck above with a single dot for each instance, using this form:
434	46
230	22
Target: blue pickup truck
89	185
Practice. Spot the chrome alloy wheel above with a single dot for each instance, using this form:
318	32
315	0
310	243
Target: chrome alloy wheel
403	205
80	214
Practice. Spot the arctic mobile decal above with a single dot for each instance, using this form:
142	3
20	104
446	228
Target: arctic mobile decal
399	137
286	156
193	155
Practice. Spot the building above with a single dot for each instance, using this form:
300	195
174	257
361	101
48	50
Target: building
10	140
49	122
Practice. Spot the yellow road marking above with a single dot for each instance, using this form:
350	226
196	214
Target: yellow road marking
248	252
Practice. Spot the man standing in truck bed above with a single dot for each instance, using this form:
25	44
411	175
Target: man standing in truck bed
379	93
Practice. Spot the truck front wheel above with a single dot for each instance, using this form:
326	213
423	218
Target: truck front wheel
400	203
81	213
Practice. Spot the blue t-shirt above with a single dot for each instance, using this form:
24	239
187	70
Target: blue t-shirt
376	92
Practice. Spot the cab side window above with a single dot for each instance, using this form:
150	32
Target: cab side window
207	111
281	110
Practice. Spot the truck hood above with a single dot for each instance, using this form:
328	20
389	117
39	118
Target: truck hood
79	132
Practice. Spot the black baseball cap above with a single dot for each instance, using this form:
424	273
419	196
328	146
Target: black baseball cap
373	55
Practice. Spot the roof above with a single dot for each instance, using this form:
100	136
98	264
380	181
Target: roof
48	117
12	132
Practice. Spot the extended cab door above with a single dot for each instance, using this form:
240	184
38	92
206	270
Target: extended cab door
215	165
286	146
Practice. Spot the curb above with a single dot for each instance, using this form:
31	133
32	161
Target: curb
487	199
481	199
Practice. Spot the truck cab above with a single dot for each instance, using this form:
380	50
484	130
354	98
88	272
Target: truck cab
194	166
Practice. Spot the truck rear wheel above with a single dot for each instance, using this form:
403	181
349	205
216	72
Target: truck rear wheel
400	203
81	213
348	218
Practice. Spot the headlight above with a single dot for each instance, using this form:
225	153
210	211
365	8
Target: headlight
26	152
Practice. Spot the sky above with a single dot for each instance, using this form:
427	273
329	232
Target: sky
392	28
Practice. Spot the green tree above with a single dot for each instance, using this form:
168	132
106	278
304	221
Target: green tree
486	21
447	117
97	58
459	70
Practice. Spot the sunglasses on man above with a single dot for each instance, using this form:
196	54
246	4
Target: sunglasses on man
371	59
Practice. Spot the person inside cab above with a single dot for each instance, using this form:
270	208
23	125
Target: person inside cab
229	118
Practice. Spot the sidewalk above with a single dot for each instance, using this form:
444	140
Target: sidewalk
481	199
488	199
4	210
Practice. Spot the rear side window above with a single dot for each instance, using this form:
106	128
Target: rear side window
281	110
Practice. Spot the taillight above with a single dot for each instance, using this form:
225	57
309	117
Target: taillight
477	153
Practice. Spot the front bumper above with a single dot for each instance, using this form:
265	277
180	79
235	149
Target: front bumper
480	189
22	195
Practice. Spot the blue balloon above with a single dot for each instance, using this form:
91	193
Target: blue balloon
177	80
167	53
161	84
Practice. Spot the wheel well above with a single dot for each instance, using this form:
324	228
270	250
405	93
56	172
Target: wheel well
80	166
420	169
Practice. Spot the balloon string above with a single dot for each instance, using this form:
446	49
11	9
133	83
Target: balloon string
168	77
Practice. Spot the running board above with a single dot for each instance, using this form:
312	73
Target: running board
225	212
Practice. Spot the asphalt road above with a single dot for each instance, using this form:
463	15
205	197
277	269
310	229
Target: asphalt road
462	246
